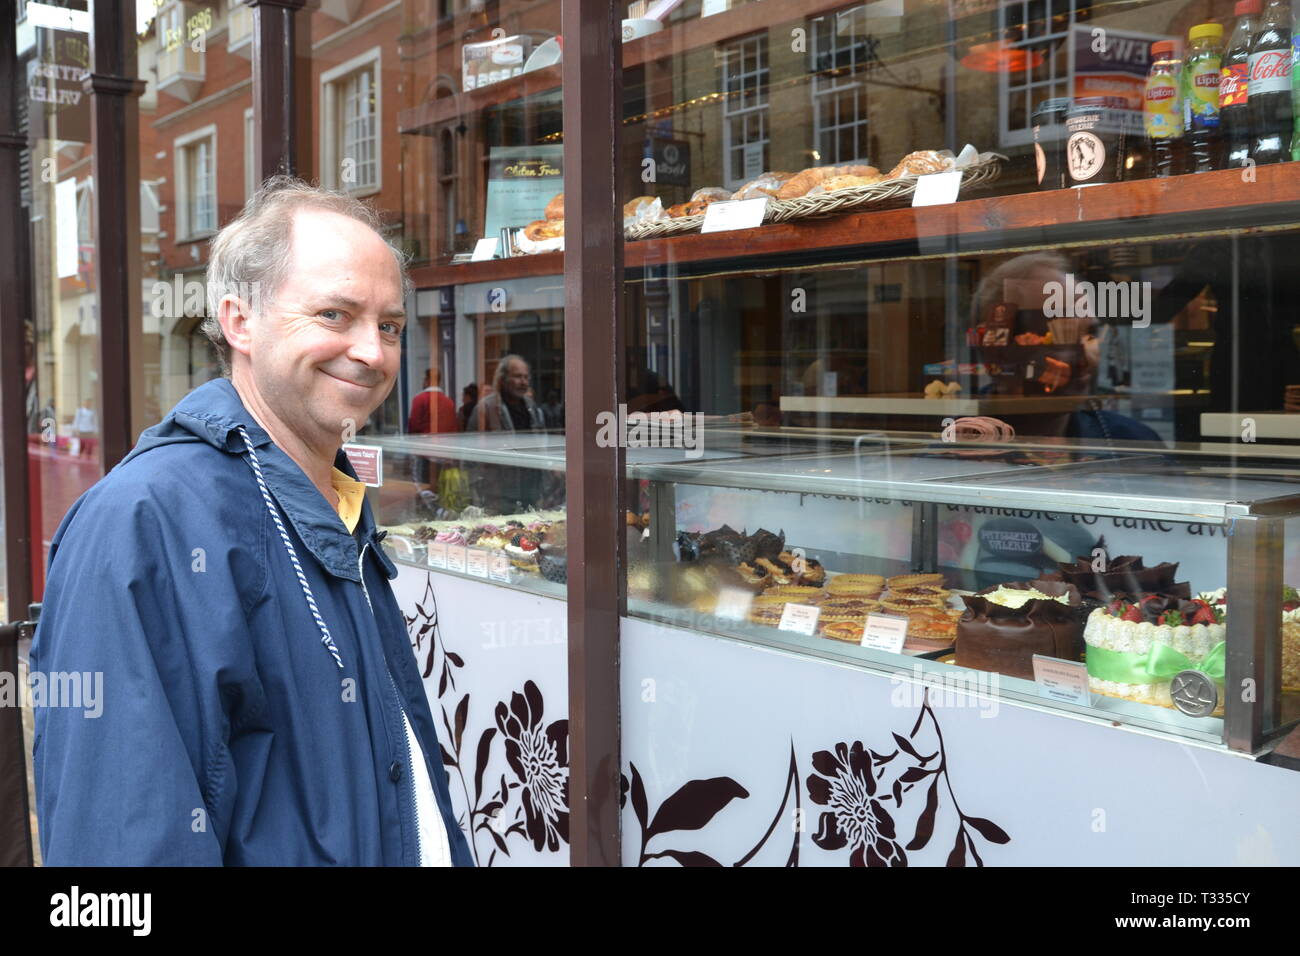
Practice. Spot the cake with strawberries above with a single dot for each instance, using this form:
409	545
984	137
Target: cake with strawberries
1290	631
1136	644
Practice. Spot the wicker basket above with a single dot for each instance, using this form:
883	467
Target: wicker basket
892	192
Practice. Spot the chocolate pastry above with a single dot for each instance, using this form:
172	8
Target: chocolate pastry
996	637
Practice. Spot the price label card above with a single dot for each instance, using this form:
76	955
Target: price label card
734	214
499	567
884	632
484	249
733	604
800	618
368	462
1065	681
476	562
456	557
937	189
438	554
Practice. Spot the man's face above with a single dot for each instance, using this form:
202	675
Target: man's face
516	380
326	349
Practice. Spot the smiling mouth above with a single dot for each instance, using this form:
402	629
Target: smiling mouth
347	381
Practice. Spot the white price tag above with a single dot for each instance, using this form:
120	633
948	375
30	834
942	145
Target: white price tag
937	189
800	618
733	604
485	249
438	554
734	214
499	567
884	632
476	562
456	558
1062	680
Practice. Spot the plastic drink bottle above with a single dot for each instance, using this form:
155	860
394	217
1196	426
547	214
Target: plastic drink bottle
1162	110
1234	82
1202	75
1269	94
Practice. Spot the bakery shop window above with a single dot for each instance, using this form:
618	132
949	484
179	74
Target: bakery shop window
840	58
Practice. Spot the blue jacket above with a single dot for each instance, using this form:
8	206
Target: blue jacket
228	734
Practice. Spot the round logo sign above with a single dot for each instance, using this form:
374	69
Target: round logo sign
1194	693
1086	155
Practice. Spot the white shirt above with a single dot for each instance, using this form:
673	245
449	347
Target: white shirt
435	849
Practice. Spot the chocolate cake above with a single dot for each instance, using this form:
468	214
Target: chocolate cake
1125	574
1005	626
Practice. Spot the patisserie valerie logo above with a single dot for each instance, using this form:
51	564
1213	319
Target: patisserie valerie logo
1081	299
672	429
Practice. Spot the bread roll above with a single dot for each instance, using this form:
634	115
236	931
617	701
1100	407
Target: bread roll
710	194
799	184
921	163
555	208
764	186
687	209
633	208
846	182
544	229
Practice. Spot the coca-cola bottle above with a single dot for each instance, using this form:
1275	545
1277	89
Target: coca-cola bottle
1269	95
1234	80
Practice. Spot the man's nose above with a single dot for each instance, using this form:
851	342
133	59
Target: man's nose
365	344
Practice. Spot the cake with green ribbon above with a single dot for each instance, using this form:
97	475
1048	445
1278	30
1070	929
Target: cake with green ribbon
1137	643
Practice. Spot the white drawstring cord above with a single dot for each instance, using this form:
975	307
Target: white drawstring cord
288	546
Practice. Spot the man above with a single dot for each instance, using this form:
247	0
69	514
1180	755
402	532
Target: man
432	411
510	406
261	704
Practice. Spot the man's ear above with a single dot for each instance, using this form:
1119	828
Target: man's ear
235	316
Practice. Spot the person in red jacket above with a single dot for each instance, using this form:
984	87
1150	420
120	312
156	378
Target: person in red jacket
432	410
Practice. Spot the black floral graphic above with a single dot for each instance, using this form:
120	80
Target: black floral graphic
845	783
849	783
539	756
535	807
692	806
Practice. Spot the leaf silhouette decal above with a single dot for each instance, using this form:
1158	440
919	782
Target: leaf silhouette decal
925	822
906	745
638	797
484	752
686	857
989	830
694	804
462	714
958	855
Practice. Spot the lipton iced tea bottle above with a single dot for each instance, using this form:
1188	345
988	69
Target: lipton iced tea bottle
1234	82
1163	110
1203	65
1269	95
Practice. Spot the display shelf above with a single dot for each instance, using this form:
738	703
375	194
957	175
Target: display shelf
1144	208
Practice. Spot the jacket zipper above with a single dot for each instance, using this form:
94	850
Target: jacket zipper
410	766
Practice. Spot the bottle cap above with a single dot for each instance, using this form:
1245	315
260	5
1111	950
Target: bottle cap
1162	48
1212	30
1244	7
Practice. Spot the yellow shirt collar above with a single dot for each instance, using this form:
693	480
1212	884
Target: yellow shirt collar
352	495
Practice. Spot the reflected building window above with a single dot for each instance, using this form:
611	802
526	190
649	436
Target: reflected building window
745	134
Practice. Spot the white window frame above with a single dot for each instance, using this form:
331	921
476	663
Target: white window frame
181	146
734	108
250	154
827	90
1011	12
332	83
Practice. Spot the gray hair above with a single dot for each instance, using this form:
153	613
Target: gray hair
503	366
252	252
990	289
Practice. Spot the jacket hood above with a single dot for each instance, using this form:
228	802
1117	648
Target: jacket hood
214	414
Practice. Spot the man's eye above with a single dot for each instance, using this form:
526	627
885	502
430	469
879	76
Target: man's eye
392	328
330	314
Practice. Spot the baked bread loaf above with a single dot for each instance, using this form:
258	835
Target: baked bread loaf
633	207
921	163
799	184
762	186
710	194
544	229
686	209
555	208
835	183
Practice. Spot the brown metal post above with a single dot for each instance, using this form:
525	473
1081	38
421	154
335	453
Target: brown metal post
13	347
15	832
279	102
114	89
593	296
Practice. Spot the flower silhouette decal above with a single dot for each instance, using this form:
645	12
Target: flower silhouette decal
539	756
845	784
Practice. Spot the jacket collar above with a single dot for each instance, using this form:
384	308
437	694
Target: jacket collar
214	413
